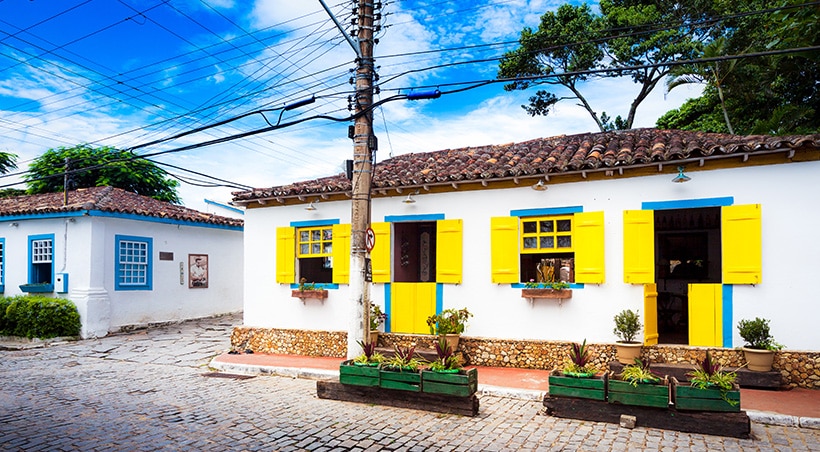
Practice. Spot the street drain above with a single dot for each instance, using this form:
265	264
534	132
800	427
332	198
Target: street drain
224	375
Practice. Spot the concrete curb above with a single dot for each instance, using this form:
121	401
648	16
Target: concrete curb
759	417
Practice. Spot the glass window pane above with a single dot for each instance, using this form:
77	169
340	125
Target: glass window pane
304	249
327	234
546	226
303	236
564	225
547	242
317	248
530	242
328	248
564	241
315	235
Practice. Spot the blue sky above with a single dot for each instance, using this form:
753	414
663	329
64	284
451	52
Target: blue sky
125	73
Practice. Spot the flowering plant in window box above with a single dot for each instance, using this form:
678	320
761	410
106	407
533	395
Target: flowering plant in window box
308	290
554	289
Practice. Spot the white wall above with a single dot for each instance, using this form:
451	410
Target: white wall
787	295
84	248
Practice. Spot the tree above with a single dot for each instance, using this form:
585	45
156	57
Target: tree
102	166
633	38
8	162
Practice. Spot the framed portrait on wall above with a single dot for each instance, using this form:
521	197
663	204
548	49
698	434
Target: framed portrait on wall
198	271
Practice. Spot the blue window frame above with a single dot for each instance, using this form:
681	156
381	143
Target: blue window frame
133	260
41	259
2	265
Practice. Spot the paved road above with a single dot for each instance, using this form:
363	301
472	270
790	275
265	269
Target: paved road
147	391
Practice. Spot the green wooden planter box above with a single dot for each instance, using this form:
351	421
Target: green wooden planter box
350	374
649	395
462	384
585	388
404	381
688	398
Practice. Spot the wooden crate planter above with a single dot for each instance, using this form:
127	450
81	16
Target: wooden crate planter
648	395
686	397
546	293
462	384
351	374
404	381
306	294
593	388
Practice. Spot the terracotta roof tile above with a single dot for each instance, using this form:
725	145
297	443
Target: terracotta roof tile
556	155
107	199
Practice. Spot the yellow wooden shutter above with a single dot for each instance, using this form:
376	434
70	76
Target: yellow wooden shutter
639	246
706	315
341	253
504	250
449	251
285	255
380	256
588	238
741	238
650	314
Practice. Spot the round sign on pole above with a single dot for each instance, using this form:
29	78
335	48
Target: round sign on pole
369	239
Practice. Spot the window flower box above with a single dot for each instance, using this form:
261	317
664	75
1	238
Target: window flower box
555	294
37	288
319	294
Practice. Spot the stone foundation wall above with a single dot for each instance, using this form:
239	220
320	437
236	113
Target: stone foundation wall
799	368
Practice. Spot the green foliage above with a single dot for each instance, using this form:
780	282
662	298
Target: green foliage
708	374
9	192
377	317
574	40
554	285
369	354
450	321
578	362
756	334
95	167
38	316
304	285
639	372
446	359
8	162
404	359
627	325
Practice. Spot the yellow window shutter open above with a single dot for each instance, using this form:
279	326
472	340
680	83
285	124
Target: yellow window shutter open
639	246
741	238
705	315
341	254
380	256
589	247
285	255
504	250
449	251
650	314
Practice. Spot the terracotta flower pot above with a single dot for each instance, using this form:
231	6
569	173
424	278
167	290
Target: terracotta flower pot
452	339
374	336
628	351
758	360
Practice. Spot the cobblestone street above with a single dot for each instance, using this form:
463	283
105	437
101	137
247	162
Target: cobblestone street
147	390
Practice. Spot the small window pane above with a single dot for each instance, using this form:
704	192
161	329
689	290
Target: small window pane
327	248
303	236
304	249
317	248
547	242
529	227
327	234
530	242
316	235
564	241
547	226
564	225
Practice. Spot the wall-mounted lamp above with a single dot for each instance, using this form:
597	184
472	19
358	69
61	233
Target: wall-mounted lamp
409	199
681	178
13	225
312	205
540	186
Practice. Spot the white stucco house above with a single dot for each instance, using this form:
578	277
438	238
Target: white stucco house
125	260
694	230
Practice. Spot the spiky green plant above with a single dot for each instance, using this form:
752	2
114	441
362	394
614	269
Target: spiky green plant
579	358
369	354
639	372
446	359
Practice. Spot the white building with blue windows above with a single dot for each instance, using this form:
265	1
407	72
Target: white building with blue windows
125	260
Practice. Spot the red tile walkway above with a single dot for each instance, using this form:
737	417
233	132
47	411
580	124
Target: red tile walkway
798	402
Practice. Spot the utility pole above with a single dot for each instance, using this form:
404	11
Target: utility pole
363	146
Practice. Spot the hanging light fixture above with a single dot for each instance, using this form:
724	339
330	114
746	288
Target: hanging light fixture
681	178
540	186
312	205
409	199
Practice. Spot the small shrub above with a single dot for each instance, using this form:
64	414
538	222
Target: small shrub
43	317
627	325
5	325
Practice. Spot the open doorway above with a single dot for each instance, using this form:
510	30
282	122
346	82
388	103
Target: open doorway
687	246
414	252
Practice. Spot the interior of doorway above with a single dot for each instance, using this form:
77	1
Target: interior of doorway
687	250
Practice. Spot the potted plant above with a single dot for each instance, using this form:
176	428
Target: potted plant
555	290
710	388
377	318
446	375
638	385
627	325
760	345
308	290
578	377
402	370
362	370
450	324
369	357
